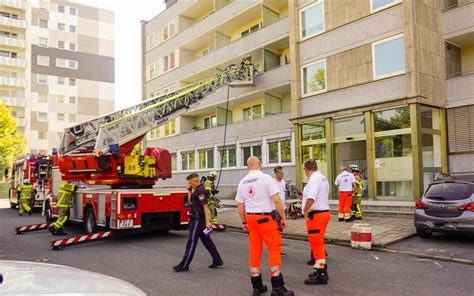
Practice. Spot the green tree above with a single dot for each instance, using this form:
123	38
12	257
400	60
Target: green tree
12	144
318	82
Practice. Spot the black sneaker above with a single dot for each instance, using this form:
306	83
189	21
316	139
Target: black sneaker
216	265
179	268
318	277
349	220
52	230
358	218
341	219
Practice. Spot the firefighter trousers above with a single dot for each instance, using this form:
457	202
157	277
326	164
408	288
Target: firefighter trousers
213	209
264	229
63	213
196	228
345	203
356	208
24	206
316	225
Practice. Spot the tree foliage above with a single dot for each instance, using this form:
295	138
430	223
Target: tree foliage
12	144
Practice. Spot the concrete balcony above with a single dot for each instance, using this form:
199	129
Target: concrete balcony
15	82
268	125
459	22
460	90
18	4
12	42
14	101
262	37
268	80
227	12
12	62
21	122
11	22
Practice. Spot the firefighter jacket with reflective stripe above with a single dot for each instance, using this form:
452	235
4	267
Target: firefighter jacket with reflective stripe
26	191
360	184
65	195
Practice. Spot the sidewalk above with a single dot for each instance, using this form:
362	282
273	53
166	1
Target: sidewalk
385	231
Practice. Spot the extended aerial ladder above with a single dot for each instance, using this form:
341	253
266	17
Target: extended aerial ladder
94	151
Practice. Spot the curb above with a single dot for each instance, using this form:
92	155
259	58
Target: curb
375	247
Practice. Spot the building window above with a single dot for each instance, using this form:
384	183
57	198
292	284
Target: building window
312	20
253	112
43	23
392	119
72	81
314	78
60	99
72	11
61	116
61	8
72	64
206	159
174	162
228	157
42	60
162	34
42	79
170	128
349	126
279	151
61	26
376	5
388	57
61	44
72	100
43	42
250	150
41	135
187	161
72	29
42	116
60	80
72	46
210	122
72	118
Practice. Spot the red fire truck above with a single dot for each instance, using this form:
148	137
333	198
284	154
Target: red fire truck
115	185
35	168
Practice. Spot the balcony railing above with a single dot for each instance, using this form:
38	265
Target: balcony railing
10	81
14	101
13	62
12	22
13	42
18	4
460	89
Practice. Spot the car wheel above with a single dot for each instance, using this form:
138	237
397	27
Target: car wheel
48	214
424	233
89	223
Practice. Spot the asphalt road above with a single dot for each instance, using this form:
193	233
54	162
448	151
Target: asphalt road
146	262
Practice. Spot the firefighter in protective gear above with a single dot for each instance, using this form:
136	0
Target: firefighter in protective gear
212	192
356	211
63	204
26	191
257	196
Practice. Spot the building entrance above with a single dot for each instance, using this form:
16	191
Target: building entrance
352	152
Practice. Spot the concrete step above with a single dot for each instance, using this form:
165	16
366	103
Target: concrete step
383	213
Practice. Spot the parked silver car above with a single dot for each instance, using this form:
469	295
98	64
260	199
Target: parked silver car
447	206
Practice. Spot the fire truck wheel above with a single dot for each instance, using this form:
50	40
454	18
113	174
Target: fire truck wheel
48	215
89	224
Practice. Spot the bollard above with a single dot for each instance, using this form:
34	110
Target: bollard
361	236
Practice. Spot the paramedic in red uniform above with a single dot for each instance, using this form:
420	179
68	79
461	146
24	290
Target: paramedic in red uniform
256	196
316	211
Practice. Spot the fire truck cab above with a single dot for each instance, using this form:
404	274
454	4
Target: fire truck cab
37	170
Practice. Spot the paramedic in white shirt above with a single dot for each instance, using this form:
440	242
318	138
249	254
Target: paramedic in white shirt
316	211
257	196
346	183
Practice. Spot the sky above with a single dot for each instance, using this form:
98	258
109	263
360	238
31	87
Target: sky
128	14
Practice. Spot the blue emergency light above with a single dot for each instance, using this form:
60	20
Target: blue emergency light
114	148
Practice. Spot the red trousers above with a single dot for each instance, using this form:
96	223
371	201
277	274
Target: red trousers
345	203
316	228
263	229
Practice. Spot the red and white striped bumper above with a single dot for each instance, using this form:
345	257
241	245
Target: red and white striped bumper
75	240
33	227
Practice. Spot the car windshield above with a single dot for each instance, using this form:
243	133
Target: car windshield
450	191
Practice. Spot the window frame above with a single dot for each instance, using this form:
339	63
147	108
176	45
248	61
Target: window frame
211	124
393	3
325	78
392	74
71	9
72	79
39	23
63	8
252	152
72	31
75	46
279	141
207	158
63	25
64	44
187	153
58	101
42	56
75	100
42	38
38	79
39	119
221	159
63	116
308	7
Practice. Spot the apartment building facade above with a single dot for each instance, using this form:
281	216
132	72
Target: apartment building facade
384	84
57	66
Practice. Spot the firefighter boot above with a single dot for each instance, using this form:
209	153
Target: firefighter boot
318	277
278	287
258	286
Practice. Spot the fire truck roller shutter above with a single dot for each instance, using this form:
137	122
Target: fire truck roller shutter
163	161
